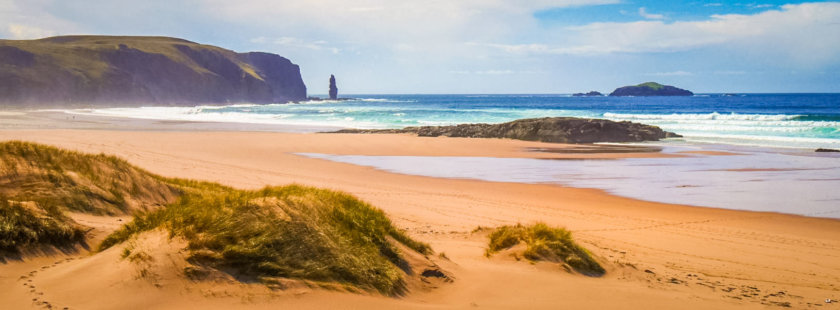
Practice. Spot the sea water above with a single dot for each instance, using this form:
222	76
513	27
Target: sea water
806	121
775	135
756	181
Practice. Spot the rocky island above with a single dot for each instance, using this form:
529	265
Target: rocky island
650	89
121	70
589	94
548	129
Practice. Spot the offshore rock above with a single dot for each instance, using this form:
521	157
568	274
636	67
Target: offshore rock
333	88
589	94
549	129
650	89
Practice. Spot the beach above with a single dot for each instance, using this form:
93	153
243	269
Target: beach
656	255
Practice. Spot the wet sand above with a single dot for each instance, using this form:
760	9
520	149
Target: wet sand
656	255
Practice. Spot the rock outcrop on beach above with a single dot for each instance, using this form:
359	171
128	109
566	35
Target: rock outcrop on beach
549	129
650	89
589	94
120	70
823	150
333	88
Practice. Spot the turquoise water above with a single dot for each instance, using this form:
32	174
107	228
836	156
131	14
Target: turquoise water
772	120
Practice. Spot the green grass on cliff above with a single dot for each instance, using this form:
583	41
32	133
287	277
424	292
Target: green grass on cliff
81	54
545	243
290	231
652	85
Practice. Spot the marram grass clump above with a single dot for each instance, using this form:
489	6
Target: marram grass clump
39	184
71	181
23	226
290	231
545	243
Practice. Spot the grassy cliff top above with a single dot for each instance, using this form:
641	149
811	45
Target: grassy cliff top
652	85
81	52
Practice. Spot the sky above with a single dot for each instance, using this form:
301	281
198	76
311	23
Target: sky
486	46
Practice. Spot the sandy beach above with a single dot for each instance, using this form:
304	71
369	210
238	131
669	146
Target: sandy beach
656	255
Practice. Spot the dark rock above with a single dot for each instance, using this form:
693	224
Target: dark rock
322	99
650	89
333	88
148	70
822	150
549	129
589	94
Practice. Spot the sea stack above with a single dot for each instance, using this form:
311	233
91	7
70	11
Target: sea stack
333	88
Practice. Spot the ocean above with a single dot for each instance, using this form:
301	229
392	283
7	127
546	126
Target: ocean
773	135
806	121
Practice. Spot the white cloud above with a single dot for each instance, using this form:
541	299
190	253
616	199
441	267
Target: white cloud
760	6
494	72
671	73
21	32
29	19
644	13
431	24
293	42
795	34
730	72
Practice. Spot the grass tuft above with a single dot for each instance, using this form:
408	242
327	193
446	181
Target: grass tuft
291	231
59	179
545	243
22	226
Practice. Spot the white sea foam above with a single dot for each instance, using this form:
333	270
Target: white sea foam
745	129
384	100
703	116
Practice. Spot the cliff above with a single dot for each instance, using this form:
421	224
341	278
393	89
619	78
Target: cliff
650	89
548	129
119	70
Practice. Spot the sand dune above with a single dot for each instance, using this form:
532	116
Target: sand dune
656	255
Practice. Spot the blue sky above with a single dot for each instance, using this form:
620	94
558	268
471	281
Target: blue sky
487	46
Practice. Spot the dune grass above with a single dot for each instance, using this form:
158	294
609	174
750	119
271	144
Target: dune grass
545	243
21	226
39	183
59	179
291	231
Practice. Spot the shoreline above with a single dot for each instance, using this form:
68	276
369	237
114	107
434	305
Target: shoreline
738	128
740	249
56	120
